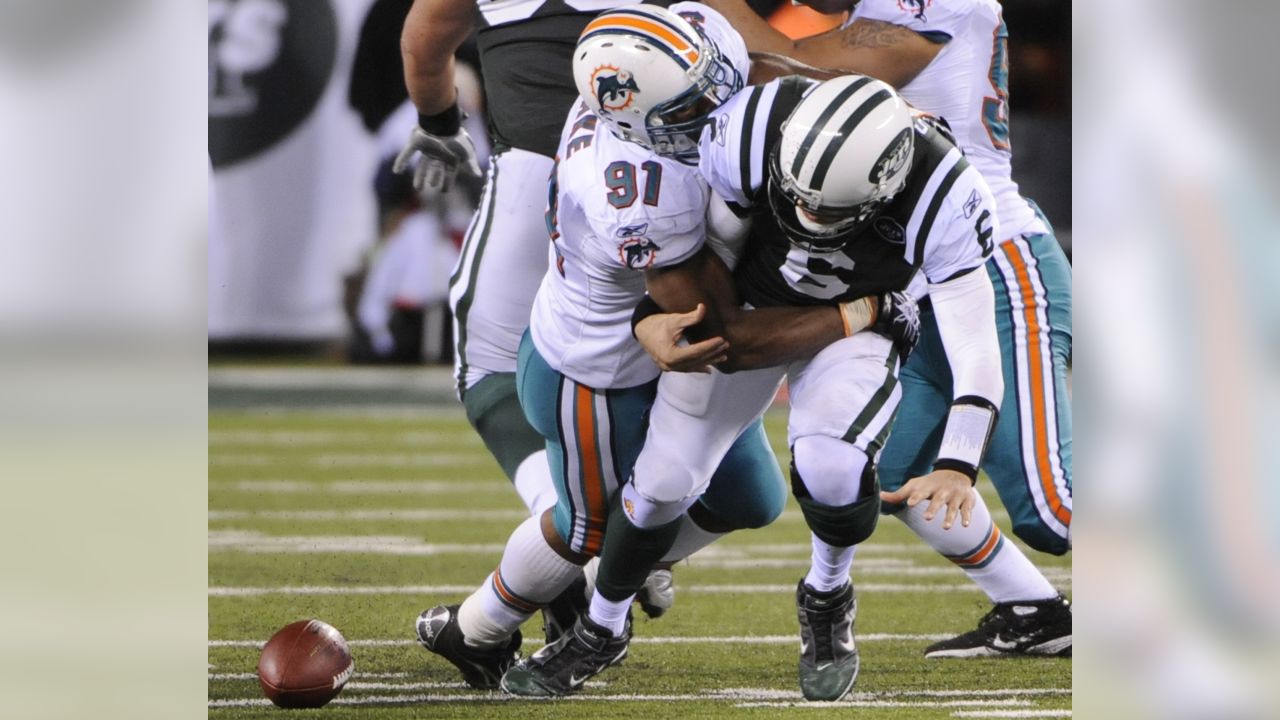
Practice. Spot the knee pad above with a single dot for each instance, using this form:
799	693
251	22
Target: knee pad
646	513
842	525
494	411
831	468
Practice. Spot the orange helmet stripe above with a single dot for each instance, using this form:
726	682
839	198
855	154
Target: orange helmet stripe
644	25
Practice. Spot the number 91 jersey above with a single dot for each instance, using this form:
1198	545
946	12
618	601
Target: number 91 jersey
614	210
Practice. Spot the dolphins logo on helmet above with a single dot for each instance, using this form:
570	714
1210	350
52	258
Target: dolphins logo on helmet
614	87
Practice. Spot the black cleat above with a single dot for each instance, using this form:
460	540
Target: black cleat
561	614
828	655
1040	627
563	668
482	668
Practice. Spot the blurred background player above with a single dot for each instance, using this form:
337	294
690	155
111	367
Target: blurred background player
398	301
951	59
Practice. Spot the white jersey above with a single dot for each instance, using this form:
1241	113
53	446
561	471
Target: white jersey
615	210
967	85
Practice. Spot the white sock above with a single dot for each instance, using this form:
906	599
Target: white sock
534	484
829	566
690	538
529	576
610	614
1000	568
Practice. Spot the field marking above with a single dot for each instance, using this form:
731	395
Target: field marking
327	438
223	591
992	704
433	514
431	460
287	486
1011	714
657	640
256	542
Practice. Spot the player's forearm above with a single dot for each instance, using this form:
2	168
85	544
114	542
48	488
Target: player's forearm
759	35
965	311
765	337
433	31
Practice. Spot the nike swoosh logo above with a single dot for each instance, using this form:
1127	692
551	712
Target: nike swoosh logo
1001	644
823	666
575	681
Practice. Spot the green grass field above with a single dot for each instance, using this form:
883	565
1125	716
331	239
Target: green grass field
364	518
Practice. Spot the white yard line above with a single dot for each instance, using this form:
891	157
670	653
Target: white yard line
434	514
293	486
432	460
657	640
993	704
1011	714
285	439
450	589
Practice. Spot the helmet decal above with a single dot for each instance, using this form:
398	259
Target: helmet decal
893	158
613	87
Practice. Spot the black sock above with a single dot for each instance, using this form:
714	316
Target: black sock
629	553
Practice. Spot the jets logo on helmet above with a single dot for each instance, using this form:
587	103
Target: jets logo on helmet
614	87
674	77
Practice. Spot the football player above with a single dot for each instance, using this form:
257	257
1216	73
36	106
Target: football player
616	209
950	58
849	192
524	49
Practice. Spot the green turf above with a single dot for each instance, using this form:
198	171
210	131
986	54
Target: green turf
393	501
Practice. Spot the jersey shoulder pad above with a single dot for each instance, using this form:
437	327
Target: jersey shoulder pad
734	148
944	19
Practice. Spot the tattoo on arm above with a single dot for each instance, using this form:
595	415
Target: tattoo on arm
866	33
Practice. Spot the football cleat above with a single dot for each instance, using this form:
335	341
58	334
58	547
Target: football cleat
828	655
656	596
564	667
482	668
560	615
1040	627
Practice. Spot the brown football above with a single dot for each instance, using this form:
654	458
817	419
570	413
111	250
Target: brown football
304	665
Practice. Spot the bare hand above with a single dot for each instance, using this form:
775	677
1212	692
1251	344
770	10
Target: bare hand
942	488
660	335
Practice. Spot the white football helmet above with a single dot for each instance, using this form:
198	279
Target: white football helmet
652	77
844	152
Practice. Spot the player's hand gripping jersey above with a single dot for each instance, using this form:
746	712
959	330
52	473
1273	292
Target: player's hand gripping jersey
972	95
615	210
940	226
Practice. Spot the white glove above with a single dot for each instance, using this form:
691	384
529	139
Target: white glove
443	157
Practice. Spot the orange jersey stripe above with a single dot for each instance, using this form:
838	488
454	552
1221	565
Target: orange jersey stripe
1035	369
593	482
677	43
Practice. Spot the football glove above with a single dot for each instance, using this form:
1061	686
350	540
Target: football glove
446	150
898	320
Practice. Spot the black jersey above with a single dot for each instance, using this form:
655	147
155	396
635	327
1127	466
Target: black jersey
939	226
526	63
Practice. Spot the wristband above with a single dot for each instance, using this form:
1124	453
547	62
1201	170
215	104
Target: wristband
970	424
443	123
648	306
857	315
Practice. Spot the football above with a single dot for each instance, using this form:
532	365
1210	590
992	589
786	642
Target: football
304	665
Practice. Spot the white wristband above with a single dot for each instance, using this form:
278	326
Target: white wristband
968	430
